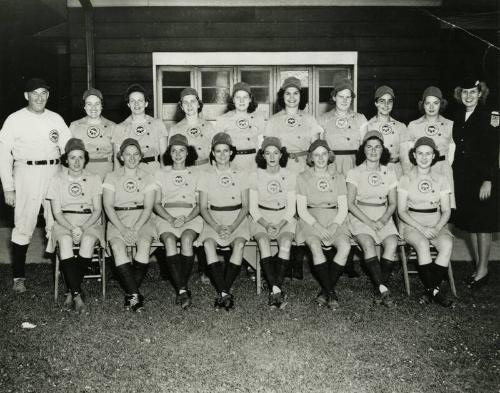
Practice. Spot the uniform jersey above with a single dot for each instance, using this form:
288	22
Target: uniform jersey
273	188
199	135
321	190
393	132
129	190
441	131
223	188
177	186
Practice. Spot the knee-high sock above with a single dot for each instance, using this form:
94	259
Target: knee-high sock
440	273
125	274
186	269
267	265
386	265
231	273
71	274
83	265
373	267
174	272
323	277
427	276
281	266
140	270
201	257
349	266
216	271
19	259
297	259
336	271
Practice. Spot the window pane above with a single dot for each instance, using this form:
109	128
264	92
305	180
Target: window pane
327	79
171	95
215	78
255	78
301	74
324	94
177	78
215	95
261	94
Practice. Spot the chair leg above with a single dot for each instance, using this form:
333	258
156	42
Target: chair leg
452	280
56	277
102	263
404	262
258	271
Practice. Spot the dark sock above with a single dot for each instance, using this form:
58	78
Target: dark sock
267	265
159	253
349	265
336	271
297	261
83	265
373	267
231	273
187	263
427	276
125	275
281	266
440	273
19	259
323	277
386	265
71	273
201	257
174	272
217	274
140	270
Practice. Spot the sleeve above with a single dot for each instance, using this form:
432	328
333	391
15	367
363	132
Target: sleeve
64	135
488	139
404	184
352	177
302	210
117	137
6	159
96	185
52	188
315	129
243	179
254	205
444	186
149	183
202	184
109	182
392	179
252	182
340	184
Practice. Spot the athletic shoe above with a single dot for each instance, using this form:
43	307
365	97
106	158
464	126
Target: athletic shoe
137	302
386	299
322	300
440	298
227	301
185	300
19	286
333	302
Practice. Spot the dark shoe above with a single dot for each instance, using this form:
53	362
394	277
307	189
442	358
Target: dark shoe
136	303
251	273
68	301
218	302
440	298
477	284
350	271
386	299
126	302
426	298
333	302
227	301
185	300
322	300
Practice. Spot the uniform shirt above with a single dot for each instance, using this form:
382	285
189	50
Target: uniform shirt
441	131
29	136
296	132
176	186
373	186
74	194
244	128
199	135
223	188
393	131
96	137
342	132
424	191
148	134
321	190
129	190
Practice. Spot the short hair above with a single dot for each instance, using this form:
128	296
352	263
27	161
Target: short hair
482	87
252	106
200	107
361	156
191	157
261	161
281	101
233	149
414	161
119	158
135	88
309	161
334	92
442	106
64	159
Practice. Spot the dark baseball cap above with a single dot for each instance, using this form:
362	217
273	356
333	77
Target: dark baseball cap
35	83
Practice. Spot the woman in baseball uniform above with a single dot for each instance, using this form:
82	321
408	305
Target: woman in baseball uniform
96	132
243	124
477	178
322	208
223	194
176	205
437	127
151	133
128	199
392	130
424	210
371	196
75	198
272	207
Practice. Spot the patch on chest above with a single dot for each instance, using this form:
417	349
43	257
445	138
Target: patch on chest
341	122
242	124
432	130
131	185
75	189
179	180
424	186
386	129
140	130
93	132
291	122
273	187
374	179
194	132
495	119
54	136
226	180
323	185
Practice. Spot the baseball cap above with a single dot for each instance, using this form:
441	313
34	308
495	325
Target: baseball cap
432	91
425	140
221	138
74	144
178	140
35	83
317	143
92	92
373	134
241	86
271	141
189	91
291	82
383	90
129	142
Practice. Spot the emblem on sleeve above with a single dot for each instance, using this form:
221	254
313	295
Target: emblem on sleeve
54	136
140	130
495	119
225	180
374	179
179	180
341	123
424	186
432	130
75	189
273	187
93	132
323	185
291	122
242	123
386	129
130	185
194	131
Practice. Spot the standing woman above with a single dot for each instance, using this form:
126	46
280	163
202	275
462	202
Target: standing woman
128	198
371	196
476	173
272	207
322	207
176	205
151	133
392	130
433	125
243	124
75	198
223	194
96	132
424	210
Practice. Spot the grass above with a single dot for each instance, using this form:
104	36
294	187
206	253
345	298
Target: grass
359	348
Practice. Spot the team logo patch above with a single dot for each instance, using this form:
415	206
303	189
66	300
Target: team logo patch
341	123
424	186
179	180
140	130
374	179
54	136
432	130
75	189
323	185
273	187
242	123
93	132
291	122
386	129
130	185
495	119
194	131
225	180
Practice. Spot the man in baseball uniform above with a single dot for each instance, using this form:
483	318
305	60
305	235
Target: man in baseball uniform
31	142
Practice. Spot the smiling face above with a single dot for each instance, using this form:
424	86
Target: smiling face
222	153
178	154
272	156
93	107
373	150
190	105
470	97
343	100
291	97
423	156
241	100
432	105
384	104
137	103
37	99
319	157
131	157
76	160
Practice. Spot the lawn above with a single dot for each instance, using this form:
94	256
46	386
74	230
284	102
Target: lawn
358	348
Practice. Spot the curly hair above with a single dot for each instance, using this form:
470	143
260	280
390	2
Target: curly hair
414	161
281	100
483	89
211	157
191	157
361	156
261	161
64	159
310	163
252	106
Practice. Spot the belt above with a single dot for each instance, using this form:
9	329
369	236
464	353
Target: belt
298	154
247	151
103	159
344	152
394	160
226	208
177	204
271	208
150	159
370	204
44	162
441	158
120	208
321	207
434	210
84	211
201	162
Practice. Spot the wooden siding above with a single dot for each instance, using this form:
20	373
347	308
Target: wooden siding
399	46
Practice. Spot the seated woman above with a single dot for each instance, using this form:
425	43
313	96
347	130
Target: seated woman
371	196
128	198
224	206
176	205
75	198
424	209
272	207
322	208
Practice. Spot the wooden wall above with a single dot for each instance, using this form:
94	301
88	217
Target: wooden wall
397	45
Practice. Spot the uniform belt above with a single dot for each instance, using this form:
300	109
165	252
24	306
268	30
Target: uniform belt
177	204
84	211
277	209
247	151
441	158
150	159
123	208
201	162
226	208
321	207
434	210
344	152
370	204
394	160
44	162
103	159
298	154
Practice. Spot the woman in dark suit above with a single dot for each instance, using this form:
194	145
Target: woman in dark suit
475	169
